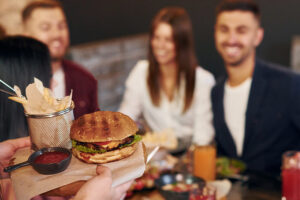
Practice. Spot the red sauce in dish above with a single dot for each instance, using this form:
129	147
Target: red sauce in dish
51	157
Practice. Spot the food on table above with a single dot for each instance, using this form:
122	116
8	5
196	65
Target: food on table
229	167
205	193
103	136
40	100
166	139
180	187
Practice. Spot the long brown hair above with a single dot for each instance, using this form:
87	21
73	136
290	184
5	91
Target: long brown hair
186	60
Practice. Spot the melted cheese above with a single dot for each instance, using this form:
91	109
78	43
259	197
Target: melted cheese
111	145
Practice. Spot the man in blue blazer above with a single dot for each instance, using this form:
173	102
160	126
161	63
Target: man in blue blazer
257	106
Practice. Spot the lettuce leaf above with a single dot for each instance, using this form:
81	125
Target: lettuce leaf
85	149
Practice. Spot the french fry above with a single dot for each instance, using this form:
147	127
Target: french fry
18	99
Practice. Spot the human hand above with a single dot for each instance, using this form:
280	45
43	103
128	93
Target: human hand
9	147
120	190
100	187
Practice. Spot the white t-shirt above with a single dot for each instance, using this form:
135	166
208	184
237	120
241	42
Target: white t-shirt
58	84
235	105
196	121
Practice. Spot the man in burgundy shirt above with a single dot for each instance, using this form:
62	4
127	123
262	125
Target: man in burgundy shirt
45	21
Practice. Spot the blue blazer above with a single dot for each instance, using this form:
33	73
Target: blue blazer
272	118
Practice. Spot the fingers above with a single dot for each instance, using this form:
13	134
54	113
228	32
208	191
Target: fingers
125	186
120	190
103	170
20	142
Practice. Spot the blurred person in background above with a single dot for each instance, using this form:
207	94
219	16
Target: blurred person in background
256	107
22	59
169	89
46	21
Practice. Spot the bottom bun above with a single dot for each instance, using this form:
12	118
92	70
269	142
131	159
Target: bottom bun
101	158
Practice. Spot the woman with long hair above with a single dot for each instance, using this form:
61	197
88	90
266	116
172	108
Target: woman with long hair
170	90
21	59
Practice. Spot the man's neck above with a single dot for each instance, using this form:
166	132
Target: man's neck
238	74
56	65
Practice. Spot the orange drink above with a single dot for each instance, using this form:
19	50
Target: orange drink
205	162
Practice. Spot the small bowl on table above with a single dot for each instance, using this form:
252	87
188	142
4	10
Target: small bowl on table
49	160
167	180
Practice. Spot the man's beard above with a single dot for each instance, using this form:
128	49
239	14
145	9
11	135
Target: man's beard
57	58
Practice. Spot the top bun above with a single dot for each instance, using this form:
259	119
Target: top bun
102	126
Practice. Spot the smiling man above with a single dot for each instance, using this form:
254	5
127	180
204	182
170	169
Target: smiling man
256	107
45	21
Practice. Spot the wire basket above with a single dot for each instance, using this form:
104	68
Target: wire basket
51	130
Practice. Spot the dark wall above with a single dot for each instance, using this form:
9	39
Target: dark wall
93	20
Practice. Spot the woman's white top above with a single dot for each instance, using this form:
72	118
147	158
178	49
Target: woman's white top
196	121
235	106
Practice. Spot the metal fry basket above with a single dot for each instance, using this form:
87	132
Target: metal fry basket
51	130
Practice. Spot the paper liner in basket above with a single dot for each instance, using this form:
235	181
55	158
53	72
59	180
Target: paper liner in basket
39	100
28	183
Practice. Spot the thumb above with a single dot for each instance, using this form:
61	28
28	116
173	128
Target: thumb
102	170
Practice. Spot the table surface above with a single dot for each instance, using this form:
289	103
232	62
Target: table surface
257	186
239	191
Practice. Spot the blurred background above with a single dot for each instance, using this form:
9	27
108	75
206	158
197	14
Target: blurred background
108	37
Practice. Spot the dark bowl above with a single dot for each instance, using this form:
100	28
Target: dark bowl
51	168
170	178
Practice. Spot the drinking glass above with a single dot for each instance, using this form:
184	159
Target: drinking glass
291	175
204	162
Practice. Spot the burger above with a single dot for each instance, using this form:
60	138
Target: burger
103	136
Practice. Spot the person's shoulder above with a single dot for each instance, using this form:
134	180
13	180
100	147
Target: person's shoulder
75	69
279	73
204	76
142	65
140	68
274	69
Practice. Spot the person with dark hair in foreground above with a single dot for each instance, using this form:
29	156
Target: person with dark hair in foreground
256	107
21	59
45	21
169	89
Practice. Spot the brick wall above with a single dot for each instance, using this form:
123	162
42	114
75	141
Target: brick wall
110	62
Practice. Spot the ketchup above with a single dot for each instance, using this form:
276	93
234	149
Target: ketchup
51	157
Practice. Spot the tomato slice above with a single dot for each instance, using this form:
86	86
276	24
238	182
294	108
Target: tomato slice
101	143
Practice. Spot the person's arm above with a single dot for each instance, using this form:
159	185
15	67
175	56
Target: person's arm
132	100
295	99
100	187
203	126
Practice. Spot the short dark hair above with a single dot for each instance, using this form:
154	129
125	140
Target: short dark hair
242	5
27	11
